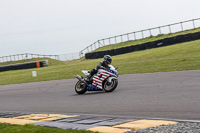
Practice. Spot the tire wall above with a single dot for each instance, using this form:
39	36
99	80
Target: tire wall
148	45
28	65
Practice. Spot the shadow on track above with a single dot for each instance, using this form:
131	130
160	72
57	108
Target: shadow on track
93	93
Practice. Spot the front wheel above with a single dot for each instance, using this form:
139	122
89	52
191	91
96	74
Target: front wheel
110	86
80	87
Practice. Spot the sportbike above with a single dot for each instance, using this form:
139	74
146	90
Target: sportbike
104	79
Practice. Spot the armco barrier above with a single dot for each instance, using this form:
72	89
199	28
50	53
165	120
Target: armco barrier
148	45
28	65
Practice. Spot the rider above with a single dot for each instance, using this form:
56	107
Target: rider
102	65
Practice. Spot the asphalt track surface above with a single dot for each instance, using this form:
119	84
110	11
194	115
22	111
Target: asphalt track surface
170	95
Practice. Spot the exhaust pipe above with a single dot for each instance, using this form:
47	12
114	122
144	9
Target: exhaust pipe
79	77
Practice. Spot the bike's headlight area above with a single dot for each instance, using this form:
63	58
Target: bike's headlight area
113	71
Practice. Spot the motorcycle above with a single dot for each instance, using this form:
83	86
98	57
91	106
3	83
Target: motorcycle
104	79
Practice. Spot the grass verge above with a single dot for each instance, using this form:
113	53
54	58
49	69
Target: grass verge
183	56
9	128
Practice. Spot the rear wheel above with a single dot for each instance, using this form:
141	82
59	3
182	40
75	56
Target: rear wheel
80	87
110	86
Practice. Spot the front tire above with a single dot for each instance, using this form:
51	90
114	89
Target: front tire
80	88
109	87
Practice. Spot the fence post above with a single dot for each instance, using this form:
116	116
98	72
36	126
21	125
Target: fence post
160	30
99	43
115	40
128	37
26	55
150	32
170	29
142	34
103	42
134	35
121	39
193	23
182	26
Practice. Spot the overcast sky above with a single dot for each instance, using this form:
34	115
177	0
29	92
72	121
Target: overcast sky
68	26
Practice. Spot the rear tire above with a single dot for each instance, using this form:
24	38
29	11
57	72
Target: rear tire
80	89
109	87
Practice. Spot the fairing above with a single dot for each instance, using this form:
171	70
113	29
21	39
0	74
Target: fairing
100	77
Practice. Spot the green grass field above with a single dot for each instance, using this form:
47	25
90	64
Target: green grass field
149	39
9	128
184	56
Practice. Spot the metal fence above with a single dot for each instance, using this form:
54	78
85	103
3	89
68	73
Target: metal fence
25	56
70	56
166	29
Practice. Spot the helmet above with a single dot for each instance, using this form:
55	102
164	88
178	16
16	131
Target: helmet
107	59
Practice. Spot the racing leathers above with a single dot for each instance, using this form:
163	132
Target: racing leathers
101	65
